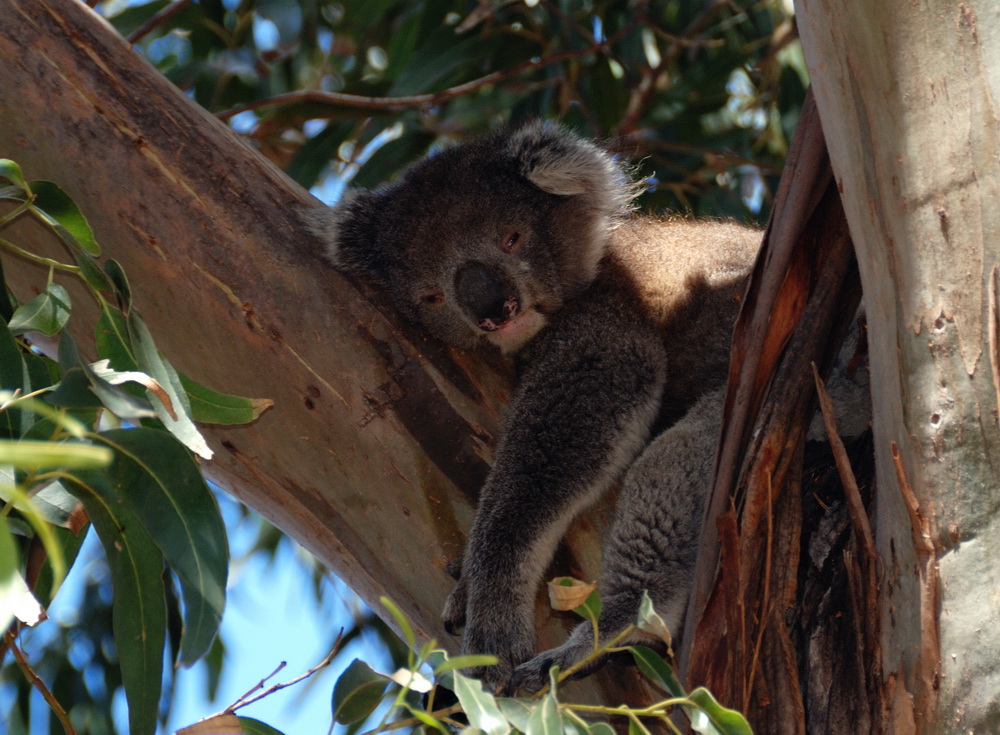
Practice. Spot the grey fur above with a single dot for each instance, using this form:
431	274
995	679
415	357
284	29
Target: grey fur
620	324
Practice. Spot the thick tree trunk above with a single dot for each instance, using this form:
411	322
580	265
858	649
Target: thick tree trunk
379	439
908	93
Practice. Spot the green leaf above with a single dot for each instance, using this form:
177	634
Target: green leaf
250	726
357	693
13	423
404	625
657	670
80	387
465	662
112	340
44	455
546	719
601	728
119	281
163	486
138	609
61	212
480	706
16	600
46	313
517	710
12	172
714	718
150	361
211	407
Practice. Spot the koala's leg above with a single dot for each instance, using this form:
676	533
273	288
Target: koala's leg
653	542
581	413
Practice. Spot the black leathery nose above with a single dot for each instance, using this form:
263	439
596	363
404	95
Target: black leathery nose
481	291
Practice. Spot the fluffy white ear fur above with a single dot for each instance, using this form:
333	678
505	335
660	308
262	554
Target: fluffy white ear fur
565	165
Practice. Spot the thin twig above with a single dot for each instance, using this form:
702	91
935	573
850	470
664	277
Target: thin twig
396	104
158	19
37	683
246	699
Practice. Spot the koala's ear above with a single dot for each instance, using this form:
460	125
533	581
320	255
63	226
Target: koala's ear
561	163
349	233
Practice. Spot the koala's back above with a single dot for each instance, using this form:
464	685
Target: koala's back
687	277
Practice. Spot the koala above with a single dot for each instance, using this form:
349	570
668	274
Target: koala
619	326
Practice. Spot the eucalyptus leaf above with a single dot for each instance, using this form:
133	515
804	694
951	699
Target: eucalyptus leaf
211	407
61	212
480	706
357	693
46	313
720	719
546	718
16	600
178	419
41	455
657	670
163	486
250	726
12	172
139	608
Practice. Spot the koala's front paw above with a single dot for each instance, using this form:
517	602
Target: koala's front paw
503	638
534	674
453	615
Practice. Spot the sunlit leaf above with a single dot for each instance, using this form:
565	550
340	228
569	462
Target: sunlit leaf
224	724
16	600
650	621
466	662
12	172
404	624
719	719
164	487
40	455
546	719
357	693
149	360
480	706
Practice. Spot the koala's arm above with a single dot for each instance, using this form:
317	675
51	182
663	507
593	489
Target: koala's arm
583	410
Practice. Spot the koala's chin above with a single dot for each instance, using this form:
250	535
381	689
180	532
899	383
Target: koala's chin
514	334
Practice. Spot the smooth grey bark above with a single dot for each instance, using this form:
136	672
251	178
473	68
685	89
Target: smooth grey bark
908	95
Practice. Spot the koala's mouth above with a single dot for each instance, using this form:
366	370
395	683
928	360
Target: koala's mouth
510	312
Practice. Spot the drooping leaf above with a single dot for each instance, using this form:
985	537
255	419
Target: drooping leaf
138	609
150	361
480	706
46	313
211	407
717	719
112	340
12	172
404	624
164	487
546	719
119	281
250	726
656	669
40	455
650	621
61	212
357	693
80	387
465	662
16	600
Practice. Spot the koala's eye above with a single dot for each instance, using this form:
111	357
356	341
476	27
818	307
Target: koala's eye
511	242
434	298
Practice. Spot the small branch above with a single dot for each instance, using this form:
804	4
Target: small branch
247	699
397	104
158	19
37	683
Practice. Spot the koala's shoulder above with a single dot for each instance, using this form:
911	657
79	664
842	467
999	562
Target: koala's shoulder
668	262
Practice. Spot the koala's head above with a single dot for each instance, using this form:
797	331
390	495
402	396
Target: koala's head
485	240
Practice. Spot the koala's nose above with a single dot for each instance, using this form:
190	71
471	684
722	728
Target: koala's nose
484	295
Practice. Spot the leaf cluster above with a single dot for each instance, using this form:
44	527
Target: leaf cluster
407	697
703	95
111	444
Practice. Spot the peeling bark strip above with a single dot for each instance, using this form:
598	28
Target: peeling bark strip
928	669
743	636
